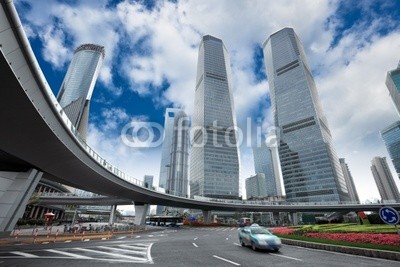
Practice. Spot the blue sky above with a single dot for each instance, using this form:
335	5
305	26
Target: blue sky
151	57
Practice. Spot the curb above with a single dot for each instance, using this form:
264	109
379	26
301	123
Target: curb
383	254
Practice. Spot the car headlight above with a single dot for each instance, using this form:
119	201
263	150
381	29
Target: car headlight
277	241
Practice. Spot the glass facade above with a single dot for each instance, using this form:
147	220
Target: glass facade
310	167
384	180
263	164
214	160
77	87
349	181
391	137
177	180
256	186
393	85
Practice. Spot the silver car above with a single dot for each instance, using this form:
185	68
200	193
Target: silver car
259	238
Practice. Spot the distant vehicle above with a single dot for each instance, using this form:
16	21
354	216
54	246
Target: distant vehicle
259	238
245	222
171	221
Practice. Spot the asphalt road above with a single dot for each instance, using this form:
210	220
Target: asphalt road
217	246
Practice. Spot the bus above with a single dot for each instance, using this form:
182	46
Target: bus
172	221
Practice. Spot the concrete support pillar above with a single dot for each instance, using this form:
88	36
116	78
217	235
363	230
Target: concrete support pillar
294	218
141	211
16	189
112	214
206	216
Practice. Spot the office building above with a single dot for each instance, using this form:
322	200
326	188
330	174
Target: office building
256	186
263	163
77	87
391	137
178	178
214	159
148	181
384	180
349	181
393	85
310	167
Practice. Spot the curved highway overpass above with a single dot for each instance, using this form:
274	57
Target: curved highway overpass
36	134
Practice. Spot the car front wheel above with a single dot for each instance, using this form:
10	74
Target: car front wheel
253	246
242	243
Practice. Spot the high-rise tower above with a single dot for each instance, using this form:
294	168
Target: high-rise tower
214	160
310	166
393	85
384	180
391	137
177	179
263	164
77	87
349	181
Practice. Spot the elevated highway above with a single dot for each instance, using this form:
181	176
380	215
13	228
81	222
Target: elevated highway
37	135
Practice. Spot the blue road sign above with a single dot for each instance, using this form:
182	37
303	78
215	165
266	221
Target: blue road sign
389	215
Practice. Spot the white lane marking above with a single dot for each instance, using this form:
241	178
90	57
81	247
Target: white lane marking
227	238
150	235
44	243
121	237
112	254
138	236
195	238
225	229
28	255
133	247
232	262
124	250
149	258
194	244
287	257
237	244
73	255
67	241
232	229
86	240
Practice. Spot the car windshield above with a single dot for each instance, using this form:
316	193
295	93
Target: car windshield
259	230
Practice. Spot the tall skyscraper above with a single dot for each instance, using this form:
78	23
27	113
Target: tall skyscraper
214	160
148	181
349	181
393	85
310	167
384	180
177	180
77	87
169	120
391	137
263	164
256	186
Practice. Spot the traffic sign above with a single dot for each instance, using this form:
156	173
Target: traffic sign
389	215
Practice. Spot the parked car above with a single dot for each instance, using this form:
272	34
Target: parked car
259	238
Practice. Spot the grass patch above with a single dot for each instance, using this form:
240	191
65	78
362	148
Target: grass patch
341	243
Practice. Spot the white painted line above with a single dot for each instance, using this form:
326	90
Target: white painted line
138	236
112	254
134	247
86	240
124	250
225	229
121	237
149	258
287	257
227	238
237	244
232	229
150	235
28	255
73	255
232	262
67	241
194	244
44	243
104	238
195	238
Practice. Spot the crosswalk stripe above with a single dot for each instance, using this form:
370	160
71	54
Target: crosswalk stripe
124	250
73	255
28	255
134	247
112	254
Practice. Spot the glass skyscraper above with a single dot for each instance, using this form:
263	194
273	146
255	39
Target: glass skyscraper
349	181
384	180
177	179
77	87
263	164
256	186
310	167
391	137
214	160
393	85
